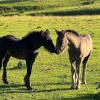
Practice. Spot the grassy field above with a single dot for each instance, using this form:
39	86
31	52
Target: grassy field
49	7
50	77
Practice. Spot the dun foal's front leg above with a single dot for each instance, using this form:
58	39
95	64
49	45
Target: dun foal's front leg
73	69
73	75
29	62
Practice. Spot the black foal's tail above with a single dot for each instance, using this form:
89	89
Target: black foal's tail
2	49
0	52
0	65
5	43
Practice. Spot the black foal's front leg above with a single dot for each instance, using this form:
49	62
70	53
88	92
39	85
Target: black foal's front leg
4	76
29	62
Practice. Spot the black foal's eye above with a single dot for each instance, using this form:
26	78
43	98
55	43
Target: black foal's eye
59	41
48	38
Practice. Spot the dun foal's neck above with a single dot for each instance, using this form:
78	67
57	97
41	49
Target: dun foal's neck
73	40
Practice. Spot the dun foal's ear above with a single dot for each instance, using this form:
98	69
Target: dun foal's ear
62	31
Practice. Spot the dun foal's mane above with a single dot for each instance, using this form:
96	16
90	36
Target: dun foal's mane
72	31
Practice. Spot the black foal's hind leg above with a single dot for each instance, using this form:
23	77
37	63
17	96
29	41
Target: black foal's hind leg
1	62
29	62
4	76
2	56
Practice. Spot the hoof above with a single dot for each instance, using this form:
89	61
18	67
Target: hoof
5	81
83	82
77	87
73	88
29	88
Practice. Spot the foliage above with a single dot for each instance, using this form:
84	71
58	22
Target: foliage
49	7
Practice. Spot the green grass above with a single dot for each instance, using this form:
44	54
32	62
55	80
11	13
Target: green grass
49	7
50	76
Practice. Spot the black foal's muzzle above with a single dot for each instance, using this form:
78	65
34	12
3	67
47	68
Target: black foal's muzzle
56	51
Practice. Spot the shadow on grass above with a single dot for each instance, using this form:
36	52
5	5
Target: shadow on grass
10	1
59	83
71	13
85	97
19	88
16	88
13	68
98	85
21	9
16	68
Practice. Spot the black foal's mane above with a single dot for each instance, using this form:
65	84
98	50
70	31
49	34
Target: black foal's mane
31	34
72	31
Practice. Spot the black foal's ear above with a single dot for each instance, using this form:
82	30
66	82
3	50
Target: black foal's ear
42	32
57	31
47	31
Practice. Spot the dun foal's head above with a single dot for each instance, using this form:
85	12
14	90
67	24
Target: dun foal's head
61	41
47	41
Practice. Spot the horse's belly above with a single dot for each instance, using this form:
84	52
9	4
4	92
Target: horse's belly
85	52
20	54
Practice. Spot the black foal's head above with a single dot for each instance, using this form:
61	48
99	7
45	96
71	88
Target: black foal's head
47	41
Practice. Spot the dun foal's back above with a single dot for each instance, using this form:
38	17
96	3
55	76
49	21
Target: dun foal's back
86	45
80	48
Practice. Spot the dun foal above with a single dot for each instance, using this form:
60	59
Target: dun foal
80	48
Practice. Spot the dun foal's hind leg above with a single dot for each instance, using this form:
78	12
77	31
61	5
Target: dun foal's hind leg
4	76
29	62
84	67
